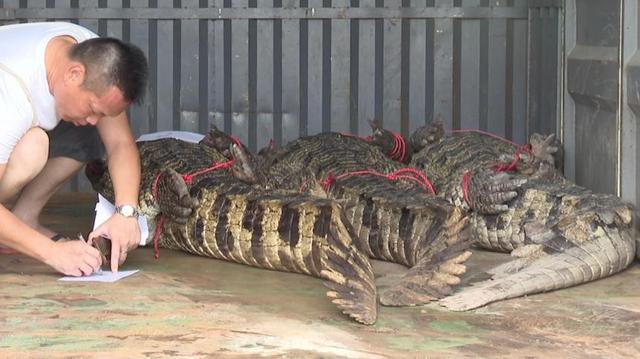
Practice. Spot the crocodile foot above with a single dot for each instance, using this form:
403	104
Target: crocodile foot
173	196
438	269
348	273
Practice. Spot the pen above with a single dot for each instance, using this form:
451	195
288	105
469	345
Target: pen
81	237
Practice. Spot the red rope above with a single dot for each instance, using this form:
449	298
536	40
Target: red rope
236	140
465	187
399	151
410	174
188	179
502	167
156	235
364	138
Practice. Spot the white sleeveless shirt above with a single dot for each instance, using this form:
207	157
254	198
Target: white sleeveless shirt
25	100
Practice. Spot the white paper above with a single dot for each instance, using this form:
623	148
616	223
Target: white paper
104	211
101	276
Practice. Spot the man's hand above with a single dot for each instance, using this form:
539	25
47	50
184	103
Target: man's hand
124	234
75	258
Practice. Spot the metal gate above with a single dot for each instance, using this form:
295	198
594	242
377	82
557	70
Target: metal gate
279	69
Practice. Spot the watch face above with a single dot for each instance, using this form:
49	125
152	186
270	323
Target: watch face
127	211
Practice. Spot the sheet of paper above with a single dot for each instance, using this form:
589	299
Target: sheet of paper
101	276
105	209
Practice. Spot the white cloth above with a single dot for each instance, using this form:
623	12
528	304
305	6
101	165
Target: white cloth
105	209
22	52
180	135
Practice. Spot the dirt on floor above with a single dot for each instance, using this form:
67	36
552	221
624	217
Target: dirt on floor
187	306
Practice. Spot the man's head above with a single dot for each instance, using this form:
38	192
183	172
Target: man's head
103	77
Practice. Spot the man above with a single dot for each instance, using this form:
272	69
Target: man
60	71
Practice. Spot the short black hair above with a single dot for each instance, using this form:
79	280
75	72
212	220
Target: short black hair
111	62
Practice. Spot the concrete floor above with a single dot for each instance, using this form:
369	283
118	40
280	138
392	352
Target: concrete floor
186	306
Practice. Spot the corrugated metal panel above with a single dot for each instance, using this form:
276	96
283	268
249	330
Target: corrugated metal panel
366	75
443	68
493	82
516	86
543	68
282	68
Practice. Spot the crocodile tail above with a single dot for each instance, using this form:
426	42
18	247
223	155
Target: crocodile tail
347	271
609	251
437	268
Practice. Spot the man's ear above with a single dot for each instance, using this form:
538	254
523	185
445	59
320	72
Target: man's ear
75	74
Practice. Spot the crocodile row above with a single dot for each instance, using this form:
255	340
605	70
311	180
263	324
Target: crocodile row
560	233
396	220
211	213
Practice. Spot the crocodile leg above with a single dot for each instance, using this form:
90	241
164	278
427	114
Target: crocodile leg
173	196
426	234
347	272
437	269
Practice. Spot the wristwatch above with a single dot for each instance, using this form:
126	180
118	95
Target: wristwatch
127	210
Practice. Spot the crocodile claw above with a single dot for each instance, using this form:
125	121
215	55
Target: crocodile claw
545	148
490	192
173	196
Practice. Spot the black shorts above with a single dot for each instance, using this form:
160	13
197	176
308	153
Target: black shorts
82	143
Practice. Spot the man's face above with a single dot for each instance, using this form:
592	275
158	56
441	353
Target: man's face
82	107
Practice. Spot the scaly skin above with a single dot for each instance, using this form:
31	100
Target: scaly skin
561	233
396	221
219	216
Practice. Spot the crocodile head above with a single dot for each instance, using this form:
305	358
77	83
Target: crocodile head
392	144
427	135
219	140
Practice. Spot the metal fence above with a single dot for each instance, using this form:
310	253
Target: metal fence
278	69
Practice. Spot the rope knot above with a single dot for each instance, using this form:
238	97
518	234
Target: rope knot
328	182
399	150
236	140
503	167
410	174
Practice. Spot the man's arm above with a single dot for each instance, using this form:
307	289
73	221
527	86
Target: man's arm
72	258
124	168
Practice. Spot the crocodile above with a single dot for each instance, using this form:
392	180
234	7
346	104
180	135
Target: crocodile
560	234
209	212
393	212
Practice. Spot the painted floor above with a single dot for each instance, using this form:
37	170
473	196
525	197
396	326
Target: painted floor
186	306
